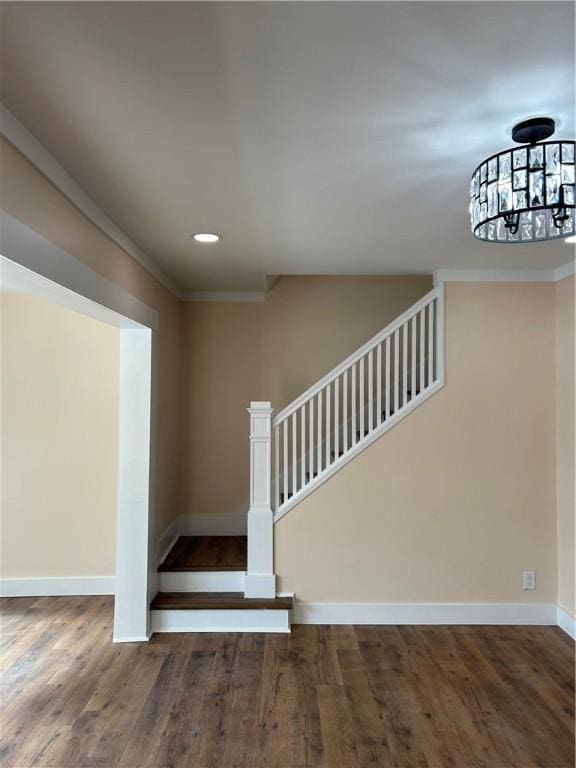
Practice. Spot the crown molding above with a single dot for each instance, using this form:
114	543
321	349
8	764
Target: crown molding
566	271
504	275
226	297
38	155
26	143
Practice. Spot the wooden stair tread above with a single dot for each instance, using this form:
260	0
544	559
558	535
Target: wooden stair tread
207	553
196	601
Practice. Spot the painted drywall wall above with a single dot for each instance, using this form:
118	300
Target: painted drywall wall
273	351
565	428
312	323
455	501
59	432
32	199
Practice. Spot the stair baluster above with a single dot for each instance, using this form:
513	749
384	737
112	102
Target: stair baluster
358	401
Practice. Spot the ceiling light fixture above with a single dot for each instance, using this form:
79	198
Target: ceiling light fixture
206	237
525	194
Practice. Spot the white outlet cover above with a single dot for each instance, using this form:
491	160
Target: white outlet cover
529	580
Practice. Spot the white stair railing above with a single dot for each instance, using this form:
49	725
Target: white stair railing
357	401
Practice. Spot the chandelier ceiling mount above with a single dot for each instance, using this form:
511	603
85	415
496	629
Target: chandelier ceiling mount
534	130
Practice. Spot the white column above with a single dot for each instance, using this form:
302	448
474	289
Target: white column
134	516
260	579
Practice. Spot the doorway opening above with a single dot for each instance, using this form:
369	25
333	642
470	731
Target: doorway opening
33	266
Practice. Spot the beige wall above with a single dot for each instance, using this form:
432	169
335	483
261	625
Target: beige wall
312	323
271	351
59	441
459	498
222	374
30	197
481	506
565	427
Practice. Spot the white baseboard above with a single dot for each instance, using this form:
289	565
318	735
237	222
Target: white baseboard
304	613
201	581
566	621
224	524
167	540
232	620
425	613
57	586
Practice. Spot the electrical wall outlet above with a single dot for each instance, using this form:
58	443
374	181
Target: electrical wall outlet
529	580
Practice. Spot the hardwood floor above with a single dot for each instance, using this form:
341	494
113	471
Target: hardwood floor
207	553
331	697
198	601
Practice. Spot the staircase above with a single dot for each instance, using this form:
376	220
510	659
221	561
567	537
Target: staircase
218	583
201	583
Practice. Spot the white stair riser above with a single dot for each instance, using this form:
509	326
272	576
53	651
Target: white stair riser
201	581
230	620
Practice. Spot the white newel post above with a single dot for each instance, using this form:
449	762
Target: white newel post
260	579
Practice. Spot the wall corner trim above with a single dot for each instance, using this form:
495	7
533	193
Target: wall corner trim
566	622
26	143
504	275
57	586
226	297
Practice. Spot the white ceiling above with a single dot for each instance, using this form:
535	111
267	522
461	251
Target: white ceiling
316	137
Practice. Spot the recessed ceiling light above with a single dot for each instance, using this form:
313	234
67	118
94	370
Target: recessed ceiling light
206	237
571	240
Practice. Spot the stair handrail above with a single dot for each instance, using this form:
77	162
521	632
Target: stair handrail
355	356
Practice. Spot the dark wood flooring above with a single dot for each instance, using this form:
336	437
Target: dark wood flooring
207	553
198	601
332	697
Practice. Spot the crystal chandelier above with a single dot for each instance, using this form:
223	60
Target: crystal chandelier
525	194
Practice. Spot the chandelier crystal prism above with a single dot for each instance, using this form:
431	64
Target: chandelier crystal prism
525	194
